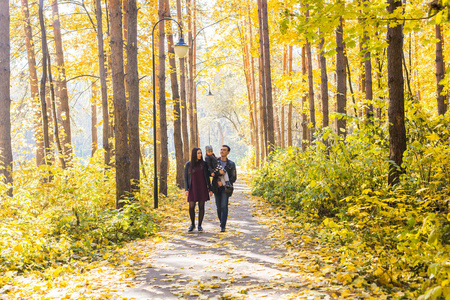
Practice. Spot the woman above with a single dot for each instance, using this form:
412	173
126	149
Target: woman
197	186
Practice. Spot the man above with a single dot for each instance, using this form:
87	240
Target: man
218	187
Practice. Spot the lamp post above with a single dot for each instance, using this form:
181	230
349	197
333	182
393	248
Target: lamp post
210	96
181	50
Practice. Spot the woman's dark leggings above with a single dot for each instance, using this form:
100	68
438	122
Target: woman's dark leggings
201	212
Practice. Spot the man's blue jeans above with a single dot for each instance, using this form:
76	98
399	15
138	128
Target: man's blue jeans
222	206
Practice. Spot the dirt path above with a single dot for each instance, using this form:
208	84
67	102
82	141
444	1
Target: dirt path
238	264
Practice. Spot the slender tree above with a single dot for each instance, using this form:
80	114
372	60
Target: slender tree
42	93
103	86
441	105
61	81
183	102
368	72
164	163
133	95
94	119
178	142
341	88
267	75
120	105
34	87
290	108
396	112
323	84
6	158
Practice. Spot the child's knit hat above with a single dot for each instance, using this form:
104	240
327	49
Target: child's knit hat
208	148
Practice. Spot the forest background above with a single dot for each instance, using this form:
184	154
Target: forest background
338	109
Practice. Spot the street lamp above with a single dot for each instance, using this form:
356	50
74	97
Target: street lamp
210	96
181	50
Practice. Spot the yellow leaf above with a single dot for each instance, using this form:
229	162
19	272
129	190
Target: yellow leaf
18	248
157	239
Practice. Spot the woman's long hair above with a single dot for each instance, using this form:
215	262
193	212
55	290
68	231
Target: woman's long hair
194	162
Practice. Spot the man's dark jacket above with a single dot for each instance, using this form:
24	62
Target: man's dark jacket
230	167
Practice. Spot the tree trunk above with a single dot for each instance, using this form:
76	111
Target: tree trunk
396	112
341	88
94	120
164	164
324	85
267	75
61	82
120	106
133	95
103	86
190	80
304	116
176	106
312	111
53	110
6	159
248	81
441	105
194	72
368	74
45	126
262	109
253	92
289	126
183	103
262	86
33	82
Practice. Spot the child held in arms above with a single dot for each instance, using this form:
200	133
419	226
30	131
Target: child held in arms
214	166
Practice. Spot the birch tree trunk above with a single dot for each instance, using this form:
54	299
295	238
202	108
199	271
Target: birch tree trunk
120	106
61	82
396	112
103	86
6	158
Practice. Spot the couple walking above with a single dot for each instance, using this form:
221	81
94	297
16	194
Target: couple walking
199	188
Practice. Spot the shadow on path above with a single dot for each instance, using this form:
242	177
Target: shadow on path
238	264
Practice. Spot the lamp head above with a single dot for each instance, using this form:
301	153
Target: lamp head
210	96
181	48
